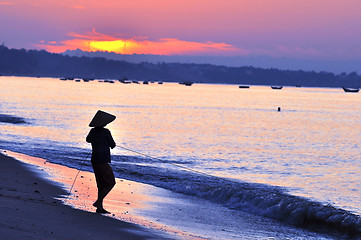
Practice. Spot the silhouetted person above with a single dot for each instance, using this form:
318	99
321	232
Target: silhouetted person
101	140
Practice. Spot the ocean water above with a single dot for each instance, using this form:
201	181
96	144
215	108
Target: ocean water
218	143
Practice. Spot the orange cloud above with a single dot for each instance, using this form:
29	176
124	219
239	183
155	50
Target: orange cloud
94	41
80	7
6	3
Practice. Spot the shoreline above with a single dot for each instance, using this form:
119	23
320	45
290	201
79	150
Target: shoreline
139	211
31	209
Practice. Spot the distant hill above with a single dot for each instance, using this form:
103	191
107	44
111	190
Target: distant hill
282	63
42	63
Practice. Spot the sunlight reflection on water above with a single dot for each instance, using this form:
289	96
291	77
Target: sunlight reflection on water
311	147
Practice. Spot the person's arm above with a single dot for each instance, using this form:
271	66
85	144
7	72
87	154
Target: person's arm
89	138
110	140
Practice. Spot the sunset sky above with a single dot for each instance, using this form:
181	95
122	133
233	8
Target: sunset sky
308	30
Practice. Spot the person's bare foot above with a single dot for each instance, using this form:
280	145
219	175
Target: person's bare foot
97	204
102	211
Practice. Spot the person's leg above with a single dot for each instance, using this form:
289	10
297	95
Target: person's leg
105	182
101	195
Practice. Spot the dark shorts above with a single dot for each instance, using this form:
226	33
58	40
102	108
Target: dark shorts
104	176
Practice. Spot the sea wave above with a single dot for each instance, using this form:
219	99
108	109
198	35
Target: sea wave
259	199
11	119
269	201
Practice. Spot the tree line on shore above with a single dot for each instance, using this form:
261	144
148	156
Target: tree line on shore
40	63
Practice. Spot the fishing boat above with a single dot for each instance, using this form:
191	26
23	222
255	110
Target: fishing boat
186	83
243	86
354	90
108	81
277	87
125	81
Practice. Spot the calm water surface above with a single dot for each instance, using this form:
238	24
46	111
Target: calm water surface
311	148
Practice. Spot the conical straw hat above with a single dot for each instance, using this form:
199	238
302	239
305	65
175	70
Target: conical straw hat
101	119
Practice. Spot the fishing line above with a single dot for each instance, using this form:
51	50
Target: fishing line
165	161
145	155
81	166
180	166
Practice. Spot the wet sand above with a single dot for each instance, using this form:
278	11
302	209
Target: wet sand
30	210
36	206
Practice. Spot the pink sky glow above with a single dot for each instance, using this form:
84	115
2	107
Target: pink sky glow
93	41
299	29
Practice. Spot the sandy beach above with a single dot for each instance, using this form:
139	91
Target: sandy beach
30	210
36	204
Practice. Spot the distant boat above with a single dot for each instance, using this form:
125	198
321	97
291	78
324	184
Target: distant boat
354	90
125	81
109	81
135	81
186	83
243	86
277	87
145	82
88	79
160	82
